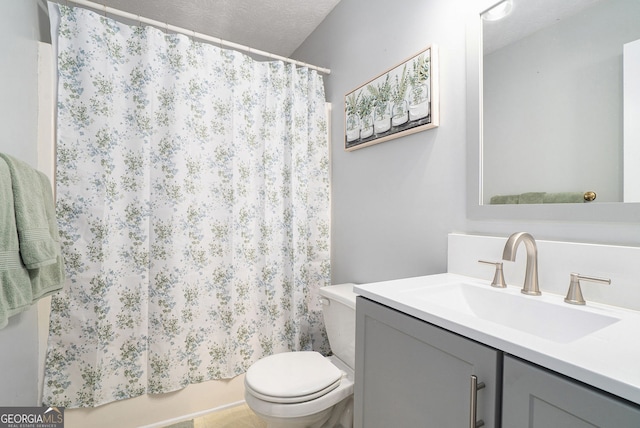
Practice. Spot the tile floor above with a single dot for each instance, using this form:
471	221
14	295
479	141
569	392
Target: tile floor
234	417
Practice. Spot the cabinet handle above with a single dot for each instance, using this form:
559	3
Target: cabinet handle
473	411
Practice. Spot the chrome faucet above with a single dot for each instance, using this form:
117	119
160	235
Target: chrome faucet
531	275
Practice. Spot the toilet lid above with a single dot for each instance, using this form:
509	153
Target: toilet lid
292	377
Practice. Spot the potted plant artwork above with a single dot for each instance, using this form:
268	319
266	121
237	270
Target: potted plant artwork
365	110
352	124
381	109
400	110
419	99
401	101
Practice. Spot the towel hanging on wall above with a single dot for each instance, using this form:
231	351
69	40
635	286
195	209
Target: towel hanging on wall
544	198
31	264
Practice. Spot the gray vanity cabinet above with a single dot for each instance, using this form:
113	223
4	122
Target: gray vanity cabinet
536	398
410	373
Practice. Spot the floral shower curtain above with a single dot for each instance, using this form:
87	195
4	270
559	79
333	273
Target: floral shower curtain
193	201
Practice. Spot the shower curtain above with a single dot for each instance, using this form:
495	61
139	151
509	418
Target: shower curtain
193	202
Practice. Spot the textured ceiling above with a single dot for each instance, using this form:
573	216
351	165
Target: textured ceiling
276	26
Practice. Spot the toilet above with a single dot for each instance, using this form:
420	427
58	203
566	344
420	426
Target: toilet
305	389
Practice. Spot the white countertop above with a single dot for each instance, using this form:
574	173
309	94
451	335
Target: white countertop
608	359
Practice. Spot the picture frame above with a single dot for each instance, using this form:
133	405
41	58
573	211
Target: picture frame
400	101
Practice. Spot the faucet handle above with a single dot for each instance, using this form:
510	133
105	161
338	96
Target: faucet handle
498	277
574	296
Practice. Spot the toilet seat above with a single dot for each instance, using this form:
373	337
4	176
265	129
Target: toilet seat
292	377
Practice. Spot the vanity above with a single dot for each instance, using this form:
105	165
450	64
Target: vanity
449	350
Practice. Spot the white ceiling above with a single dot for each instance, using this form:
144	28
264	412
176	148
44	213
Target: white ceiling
275	26
527	17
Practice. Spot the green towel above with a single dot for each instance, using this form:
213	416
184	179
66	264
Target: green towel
531	198
48	279
564	197
538	198
15	285
37	248
504	199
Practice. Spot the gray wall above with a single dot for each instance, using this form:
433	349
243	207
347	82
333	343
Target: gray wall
395	202
18	110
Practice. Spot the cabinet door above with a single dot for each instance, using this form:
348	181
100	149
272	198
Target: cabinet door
412	374
537	398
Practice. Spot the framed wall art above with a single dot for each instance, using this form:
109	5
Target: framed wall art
398	102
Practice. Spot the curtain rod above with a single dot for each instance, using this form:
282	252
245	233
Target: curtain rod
109	10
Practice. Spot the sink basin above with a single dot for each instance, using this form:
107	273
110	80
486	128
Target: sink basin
556	322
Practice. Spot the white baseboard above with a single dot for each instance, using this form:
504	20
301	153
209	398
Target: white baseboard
194	415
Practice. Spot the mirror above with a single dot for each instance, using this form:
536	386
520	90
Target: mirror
545	109
553	99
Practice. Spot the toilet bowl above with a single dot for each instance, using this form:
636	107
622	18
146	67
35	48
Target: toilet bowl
305	389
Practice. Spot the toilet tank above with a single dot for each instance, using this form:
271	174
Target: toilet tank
339	311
